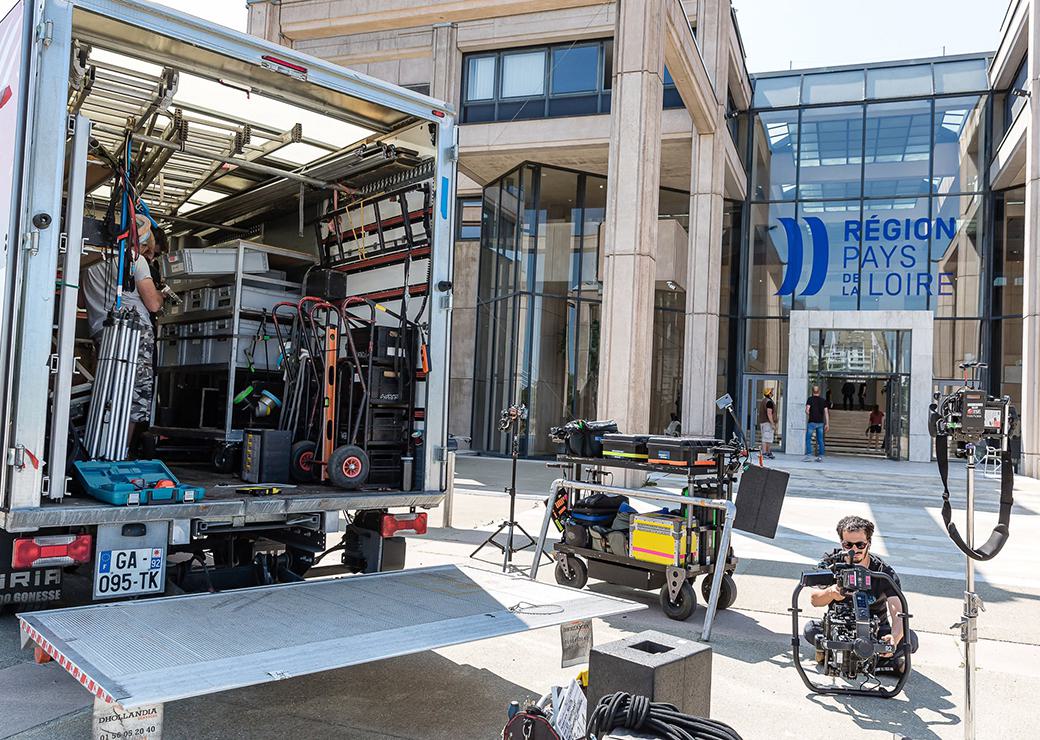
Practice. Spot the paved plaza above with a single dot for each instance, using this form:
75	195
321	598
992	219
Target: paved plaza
463	691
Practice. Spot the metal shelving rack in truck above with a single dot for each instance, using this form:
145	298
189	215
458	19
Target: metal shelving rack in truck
218	330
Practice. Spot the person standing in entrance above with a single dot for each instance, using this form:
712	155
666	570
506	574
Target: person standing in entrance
818	421
767	422
848	390
875	430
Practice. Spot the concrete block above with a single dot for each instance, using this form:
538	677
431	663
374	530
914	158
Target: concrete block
657	665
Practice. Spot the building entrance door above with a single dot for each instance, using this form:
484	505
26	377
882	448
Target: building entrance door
751	406
863	375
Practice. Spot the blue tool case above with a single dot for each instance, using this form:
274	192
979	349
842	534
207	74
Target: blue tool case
134	482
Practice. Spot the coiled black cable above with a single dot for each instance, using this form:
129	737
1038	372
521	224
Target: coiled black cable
665	721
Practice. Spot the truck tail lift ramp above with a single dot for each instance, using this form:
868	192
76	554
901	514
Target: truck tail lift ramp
140	653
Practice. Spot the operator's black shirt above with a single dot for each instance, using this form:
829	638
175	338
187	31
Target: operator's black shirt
878	588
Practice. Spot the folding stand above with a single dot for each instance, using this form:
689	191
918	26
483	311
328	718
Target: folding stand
510	421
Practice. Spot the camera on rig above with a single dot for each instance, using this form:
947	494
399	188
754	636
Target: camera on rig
514	413
849	639
969	414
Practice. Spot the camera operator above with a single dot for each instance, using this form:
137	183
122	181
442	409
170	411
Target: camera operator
855	533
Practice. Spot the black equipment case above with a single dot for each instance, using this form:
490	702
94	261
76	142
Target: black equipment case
682	451
626	446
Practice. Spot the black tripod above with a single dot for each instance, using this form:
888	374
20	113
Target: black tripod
510	421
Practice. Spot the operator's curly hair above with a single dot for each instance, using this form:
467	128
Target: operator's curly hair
856	524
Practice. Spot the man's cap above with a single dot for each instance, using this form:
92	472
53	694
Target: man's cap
767	392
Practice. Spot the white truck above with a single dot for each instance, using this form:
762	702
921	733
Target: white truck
234	141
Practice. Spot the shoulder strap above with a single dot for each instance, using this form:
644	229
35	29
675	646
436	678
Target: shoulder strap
998	537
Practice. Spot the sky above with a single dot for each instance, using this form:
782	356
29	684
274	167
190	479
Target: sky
794	34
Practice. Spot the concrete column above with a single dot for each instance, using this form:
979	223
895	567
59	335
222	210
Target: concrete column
707	151
1030	401
446	77
630	229
265	20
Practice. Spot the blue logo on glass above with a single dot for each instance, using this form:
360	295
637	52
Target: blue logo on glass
795	254
878	258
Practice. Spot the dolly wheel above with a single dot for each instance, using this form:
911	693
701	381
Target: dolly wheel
579	573
302	466
348	467
727	590
683	606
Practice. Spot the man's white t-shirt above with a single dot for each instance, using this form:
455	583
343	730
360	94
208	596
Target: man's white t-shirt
98	286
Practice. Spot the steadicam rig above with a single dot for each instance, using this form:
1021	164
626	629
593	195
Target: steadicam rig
849	636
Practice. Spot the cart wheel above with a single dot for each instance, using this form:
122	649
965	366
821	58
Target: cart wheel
727	590
579	573
682	607
348	467
302	467
225	458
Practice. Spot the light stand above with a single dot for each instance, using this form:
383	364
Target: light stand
972	604
511	420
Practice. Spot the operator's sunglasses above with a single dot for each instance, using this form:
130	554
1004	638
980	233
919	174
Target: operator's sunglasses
857	545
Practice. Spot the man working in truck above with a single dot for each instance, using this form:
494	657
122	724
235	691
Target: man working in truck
98	288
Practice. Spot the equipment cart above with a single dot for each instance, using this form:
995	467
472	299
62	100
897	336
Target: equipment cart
707	511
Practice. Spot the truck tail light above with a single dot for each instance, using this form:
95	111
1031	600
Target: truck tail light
403	524
49	550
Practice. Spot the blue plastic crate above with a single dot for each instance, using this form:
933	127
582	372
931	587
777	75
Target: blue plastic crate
133	482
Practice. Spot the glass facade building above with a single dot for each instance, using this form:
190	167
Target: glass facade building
867	191
538	304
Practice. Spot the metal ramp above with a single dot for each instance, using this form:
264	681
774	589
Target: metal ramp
157	650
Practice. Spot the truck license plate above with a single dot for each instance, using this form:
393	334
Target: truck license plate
129	572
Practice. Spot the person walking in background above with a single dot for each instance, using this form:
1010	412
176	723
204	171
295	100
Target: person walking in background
848	391
767	422
862	396
818	421
876	428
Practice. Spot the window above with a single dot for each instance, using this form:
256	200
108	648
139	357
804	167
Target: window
832	87
523	74
1013	102
481	78
575	69
567	79
898	82
468	219
965	76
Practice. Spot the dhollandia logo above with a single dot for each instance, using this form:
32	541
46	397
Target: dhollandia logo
878	258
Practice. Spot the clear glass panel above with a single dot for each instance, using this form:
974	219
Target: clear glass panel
895	272
558	250
480	78
853	351
506	244
523	74
1010	248
667	362
773	159
898	82
964	76
953	342
591	240
575	69
832	87
552	361
732	215
769	257
774	92
587	363
897	148
529	226
766	346
1011	359
830	153
488	285
956	243
957	152
827	270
